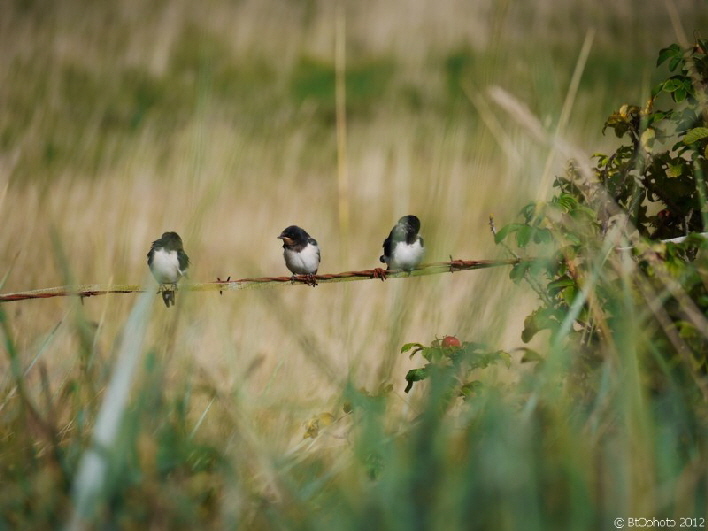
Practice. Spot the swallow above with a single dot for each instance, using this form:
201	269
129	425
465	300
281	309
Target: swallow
403	249
301	253
168	263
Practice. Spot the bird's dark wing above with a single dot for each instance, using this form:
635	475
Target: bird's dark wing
422	244
183	260
151	252
388	246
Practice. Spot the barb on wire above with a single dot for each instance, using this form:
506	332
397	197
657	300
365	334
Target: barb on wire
221	286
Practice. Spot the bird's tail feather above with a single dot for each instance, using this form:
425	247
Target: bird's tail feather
168	298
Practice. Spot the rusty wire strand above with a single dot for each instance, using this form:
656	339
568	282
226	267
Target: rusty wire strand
219	285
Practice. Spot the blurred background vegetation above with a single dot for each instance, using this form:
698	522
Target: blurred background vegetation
218	120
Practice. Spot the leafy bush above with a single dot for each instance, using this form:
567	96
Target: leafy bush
613	416
453	361
647	200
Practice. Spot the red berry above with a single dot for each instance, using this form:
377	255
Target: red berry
451	341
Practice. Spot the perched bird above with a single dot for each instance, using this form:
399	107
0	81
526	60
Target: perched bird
403	249
168	263
302	255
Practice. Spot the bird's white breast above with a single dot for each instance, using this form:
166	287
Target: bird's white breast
405	256
165	266
305	262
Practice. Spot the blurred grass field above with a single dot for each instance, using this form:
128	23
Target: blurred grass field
218	120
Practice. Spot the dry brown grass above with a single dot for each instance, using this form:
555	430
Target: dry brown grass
229	193
229	183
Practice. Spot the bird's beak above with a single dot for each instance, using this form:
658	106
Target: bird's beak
288	241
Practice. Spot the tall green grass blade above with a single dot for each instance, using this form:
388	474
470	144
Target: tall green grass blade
91	474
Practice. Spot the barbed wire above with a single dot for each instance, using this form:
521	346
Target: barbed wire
433	268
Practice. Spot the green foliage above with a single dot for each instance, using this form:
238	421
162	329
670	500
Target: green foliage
313	84
450	359
651	186
459	66
156	467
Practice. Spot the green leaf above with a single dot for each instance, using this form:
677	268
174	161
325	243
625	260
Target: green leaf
656	117
417	347
435	354
582	211
530	329
543	236
647	139
504	356
670	51
484	359
655	91
523	235
540	319
519	270
531	211
672	84
675	169
559	285
695	134
408	346
675	62
415	375
504	232
567	201
470	388
530	355
569	295
573	238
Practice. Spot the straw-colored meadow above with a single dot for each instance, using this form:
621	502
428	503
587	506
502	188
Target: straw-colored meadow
283	407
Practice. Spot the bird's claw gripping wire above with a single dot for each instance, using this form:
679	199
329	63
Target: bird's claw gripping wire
378	273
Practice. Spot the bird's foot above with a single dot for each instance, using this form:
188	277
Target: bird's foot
168	294
219	281
309	279
455	265
379	273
